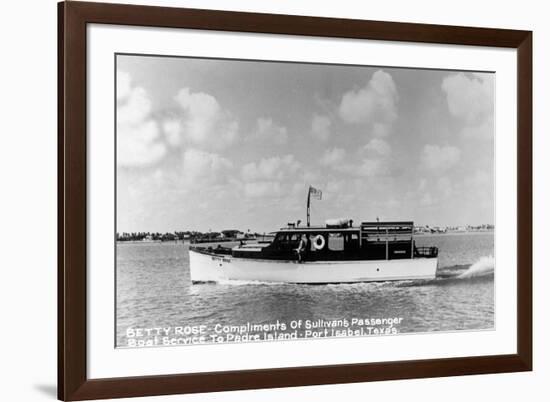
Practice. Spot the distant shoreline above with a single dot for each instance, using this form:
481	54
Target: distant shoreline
453	233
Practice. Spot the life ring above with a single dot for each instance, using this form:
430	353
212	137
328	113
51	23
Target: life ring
319	242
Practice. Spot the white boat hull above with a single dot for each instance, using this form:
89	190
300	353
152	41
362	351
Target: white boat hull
209	267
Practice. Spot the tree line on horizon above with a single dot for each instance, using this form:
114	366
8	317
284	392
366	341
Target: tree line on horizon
182	235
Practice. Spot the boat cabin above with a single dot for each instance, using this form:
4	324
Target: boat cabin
369	241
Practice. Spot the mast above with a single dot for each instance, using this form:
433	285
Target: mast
308	201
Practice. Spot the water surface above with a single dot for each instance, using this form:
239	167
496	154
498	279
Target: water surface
154	290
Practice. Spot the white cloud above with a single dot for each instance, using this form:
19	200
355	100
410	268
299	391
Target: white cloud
137	133
381	129
372	160
136	108
435	192
123	84
333	156
137	145
202	113
268	131
439	158
366	167
469	98
374	103
484	130
480	181
172	130
263	189
371	167
204	167
270	177
204	122
378	146
270	169
320	127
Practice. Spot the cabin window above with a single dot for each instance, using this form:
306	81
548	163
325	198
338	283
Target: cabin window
335	242
283	240
288	239
295	239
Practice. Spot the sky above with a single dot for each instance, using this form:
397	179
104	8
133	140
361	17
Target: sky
210	144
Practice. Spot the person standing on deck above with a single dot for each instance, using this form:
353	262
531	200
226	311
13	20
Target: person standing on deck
302	247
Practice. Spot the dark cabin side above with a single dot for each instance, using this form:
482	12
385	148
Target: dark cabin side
369	241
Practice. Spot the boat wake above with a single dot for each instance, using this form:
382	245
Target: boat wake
483	267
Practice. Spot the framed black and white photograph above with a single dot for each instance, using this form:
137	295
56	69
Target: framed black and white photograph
282	175
253	200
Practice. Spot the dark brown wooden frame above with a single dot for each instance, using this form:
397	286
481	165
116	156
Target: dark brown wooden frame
73	17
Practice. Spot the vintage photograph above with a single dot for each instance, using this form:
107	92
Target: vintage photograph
263	201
